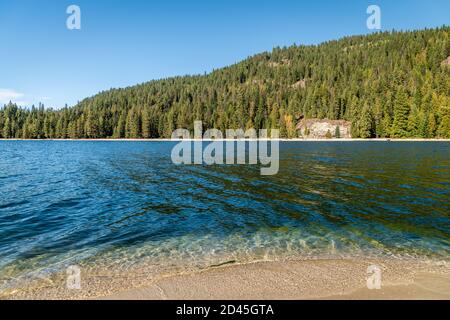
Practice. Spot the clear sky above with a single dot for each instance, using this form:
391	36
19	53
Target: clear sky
123	43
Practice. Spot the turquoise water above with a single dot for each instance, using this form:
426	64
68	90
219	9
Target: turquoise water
115	205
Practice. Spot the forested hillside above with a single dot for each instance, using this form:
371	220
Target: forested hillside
391	84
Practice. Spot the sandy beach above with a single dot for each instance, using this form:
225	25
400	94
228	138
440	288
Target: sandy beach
308	279
338	279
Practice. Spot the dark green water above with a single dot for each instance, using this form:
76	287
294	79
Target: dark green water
114	205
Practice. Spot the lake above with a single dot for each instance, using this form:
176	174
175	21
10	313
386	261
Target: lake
116	205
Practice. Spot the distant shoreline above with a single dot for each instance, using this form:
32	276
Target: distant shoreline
281	140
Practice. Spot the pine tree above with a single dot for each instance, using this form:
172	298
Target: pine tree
337	132
146	124
432	127
365	124
414	123
444	128
444	115
119	131
7	129
92	126
401	114
133	125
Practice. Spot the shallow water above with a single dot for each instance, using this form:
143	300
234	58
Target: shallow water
115	205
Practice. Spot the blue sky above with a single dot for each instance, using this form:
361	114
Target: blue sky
122	43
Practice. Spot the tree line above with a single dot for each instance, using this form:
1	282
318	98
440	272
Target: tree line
388	84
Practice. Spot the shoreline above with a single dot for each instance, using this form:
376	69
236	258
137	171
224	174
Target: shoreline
298	280
265	139
271	280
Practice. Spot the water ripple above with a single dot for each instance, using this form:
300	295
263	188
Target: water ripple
116	204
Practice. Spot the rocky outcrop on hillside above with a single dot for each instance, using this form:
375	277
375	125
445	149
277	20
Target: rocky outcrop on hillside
323	129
